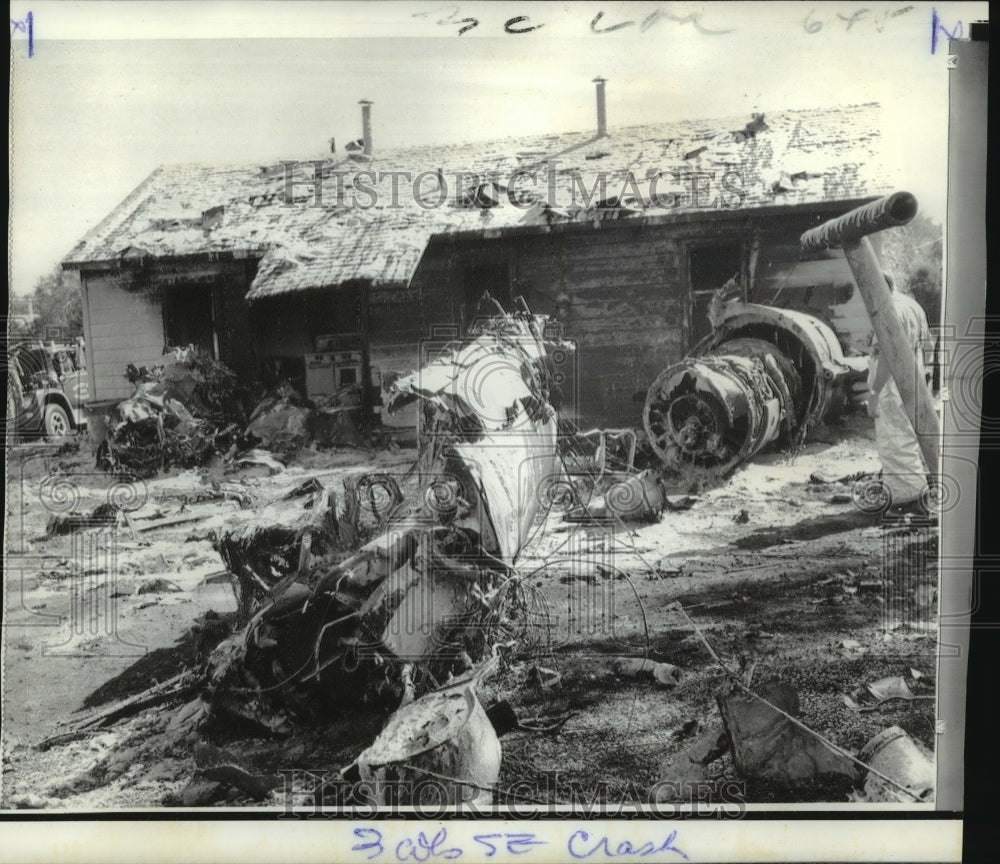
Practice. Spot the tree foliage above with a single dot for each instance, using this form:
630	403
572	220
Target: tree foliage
58	306
912	254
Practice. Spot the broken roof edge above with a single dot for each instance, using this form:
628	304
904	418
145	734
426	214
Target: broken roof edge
255	295
210	256
262	291
686	217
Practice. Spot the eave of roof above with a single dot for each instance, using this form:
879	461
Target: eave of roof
687	217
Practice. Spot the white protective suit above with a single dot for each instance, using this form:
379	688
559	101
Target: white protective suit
903	471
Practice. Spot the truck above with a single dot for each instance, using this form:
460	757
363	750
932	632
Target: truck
46	389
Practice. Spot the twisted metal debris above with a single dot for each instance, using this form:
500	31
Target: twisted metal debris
424	590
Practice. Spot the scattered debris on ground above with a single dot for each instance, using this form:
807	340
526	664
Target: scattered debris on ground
191	408
103	515
337	609
281	421
872	696
183	410
392	616
767	745
902	770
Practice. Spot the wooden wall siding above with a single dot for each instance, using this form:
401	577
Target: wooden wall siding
126	321
628	310
433	282
629	291
628	287
539	273
628	315
125	326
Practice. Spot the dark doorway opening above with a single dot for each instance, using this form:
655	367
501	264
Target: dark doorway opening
710	267
189	317
479	278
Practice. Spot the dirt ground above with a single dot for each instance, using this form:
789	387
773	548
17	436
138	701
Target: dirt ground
779	574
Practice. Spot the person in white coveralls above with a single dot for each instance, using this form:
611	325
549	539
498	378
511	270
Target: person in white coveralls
904	473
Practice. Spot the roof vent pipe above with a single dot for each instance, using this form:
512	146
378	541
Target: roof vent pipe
366	125
602	113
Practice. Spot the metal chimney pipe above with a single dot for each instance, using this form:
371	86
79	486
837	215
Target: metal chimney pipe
602	113
366	125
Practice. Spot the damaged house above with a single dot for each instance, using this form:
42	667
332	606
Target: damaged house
346	270
685	272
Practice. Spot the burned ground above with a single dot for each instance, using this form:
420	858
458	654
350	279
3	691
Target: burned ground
797	593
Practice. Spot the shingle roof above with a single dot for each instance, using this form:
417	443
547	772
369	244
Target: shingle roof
786	158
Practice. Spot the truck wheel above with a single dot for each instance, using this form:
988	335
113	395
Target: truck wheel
57	423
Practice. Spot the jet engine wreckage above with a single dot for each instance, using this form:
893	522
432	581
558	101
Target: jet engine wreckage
766	374
762	375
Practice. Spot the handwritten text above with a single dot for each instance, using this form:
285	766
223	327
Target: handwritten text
581	845
27	27
937	27
814	24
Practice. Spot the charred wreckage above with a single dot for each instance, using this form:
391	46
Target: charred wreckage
404	593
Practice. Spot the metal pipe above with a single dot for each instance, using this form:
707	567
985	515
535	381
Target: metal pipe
602	113
890	212
366	126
